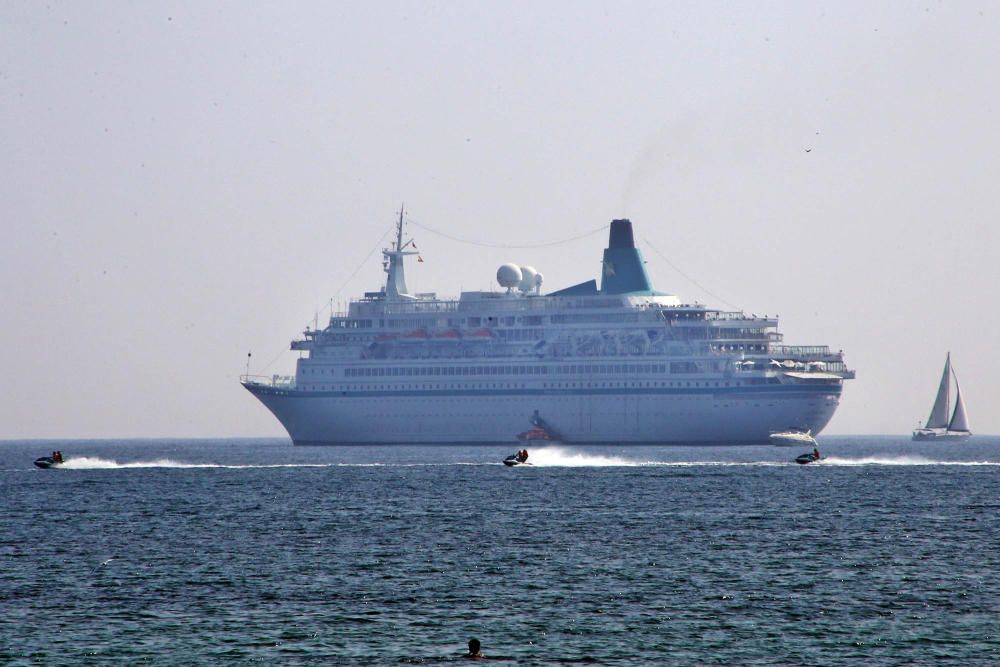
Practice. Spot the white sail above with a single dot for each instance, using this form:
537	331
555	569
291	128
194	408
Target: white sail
959	422
939	413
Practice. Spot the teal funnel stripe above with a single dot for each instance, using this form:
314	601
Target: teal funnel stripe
624	270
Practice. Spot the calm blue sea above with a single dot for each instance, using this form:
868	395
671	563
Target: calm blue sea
229	552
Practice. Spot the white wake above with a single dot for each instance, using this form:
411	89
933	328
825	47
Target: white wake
94	463
545	457
562	457
901	460
559	457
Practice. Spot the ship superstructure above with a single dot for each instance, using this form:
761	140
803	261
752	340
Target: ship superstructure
617	362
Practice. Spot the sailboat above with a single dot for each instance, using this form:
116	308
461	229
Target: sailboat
939	426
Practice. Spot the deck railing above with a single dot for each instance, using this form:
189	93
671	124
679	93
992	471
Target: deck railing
800	351
277	381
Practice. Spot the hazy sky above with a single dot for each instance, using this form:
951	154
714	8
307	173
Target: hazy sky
185	182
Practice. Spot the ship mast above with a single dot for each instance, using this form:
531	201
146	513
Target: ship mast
395	283
399	229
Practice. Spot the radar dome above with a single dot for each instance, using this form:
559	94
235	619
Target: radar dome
527	282
509	275
538	282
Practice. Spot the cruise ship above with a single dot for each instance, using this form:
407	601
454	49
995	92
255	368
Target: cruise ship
615	362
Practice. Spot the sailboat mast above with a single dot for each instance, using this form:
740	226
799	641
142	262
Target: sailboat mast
959	420
942	403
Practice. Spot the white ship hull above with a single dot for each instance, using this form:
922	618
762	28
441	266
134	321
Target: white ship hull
708	417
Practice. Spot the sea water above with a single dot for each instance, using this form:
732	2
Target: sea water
218	552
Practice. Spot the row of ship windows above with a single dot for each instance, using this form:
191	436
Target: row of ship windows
492	320
553	385
439	322
675	367
446	370
525	320
737	348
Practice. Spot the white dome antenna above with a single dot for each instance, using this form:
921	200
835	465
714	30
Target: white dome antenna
527	282
538	284
509	276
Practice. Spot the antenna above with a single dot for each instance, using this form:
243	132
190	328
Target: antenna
399	228
248	365
392	263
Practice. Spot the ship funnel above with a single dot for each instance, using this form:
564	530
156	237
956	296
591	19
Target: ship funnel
624	270
621	234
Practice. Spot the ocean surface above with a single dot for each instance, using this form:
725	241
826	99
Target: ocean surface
231	552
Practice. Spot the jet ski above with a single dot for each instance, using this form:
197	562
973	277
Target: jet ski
517	459
808	457
53	461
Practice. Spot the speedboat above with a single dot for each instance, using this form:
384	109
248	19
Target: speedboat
792	436
808	457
